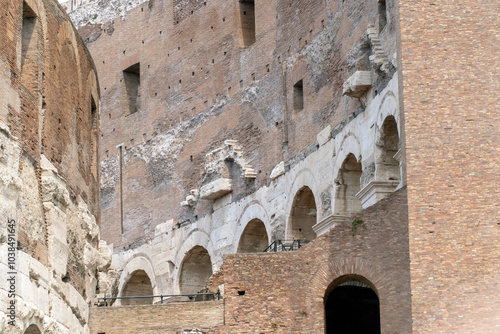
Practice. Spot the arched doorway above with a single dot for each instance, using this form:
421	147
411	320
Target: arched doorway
387	165
196	270
347	186
303	216
254	238
139	284
352	307
32	329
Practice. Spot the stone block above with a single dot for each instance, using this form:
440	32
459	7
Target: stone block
374	191
357	84
324	136
216	189
278	170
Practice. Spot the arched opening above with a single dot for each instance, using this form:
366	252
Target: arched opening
351	307
139	284
196	270
254	238
32	329
303	216
347	186
388	166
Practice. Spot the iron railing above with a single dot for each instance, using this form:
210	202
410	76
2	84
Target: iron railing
162	297
285	245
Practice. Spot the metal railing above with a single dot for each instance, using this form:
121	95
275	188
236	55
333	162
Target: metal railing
285	245
105	299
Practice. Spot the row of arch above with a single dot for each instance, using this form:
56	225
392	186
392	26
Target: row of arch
196	266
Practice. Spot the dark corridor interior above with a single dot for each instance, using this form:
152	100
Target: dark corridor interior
352	309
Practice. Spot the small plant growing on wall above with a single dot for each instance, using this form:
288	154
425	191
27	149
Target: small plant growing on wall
355	223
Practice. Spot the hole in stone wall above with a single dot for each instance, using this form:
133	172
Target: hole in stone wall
195	271
298	95
352	307
241	293
303	216
132	78
139	284
254	238
247	22
382	14
388	166
33	329
94	134
348	185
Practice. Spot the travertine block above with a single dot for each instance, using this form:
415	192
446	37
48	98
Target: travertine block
216	189
357	84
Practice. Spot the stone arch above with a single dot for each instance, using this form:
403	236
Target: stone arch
304	178
254	238
34	326
195	270
253	210
138	263
387	166
139	284
351	305
349	144
195	238
303	216
340	268
348	184
389	106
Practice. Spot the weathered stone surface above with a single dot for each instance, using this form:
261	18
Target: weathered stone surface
216	189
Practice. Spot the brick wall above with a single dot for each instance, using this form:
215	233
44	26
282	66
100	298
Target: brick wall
167	319
284	292
450	66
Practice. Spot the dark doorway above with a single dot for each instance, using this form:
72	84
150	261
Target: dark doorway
351	308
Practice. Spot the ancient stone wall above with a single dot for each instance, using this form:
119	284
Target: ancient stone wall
183	317
209	122
450	68
49	105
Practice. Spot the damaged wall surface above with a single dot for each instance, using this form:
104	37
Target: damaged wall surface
49	100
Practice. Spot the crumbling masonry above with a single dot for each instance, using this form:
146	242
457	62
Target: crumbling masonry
363	130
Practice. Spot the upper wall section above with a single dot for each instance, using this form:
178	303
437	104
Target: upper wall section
49	96
180	78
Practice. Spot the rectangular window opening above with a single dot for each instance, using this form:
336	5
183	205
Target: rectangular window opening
298	96
247	22
29	23
382	15
94	135
132	78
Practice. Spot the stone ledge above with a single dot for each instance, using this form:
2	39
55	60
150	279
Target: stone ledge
327	223
357	84
374	191
216	189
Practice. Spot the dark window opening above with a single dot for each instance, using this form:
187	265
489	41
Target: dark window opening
298	96
382	15
241	293
247	22
132	76
94	134
352	307
29	23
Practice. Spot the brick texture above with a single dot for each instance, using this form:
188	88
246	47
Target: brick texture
450	66
168	319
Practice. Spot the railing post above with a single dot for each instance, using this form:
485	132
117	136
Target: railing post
105	304
161	299
218	294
